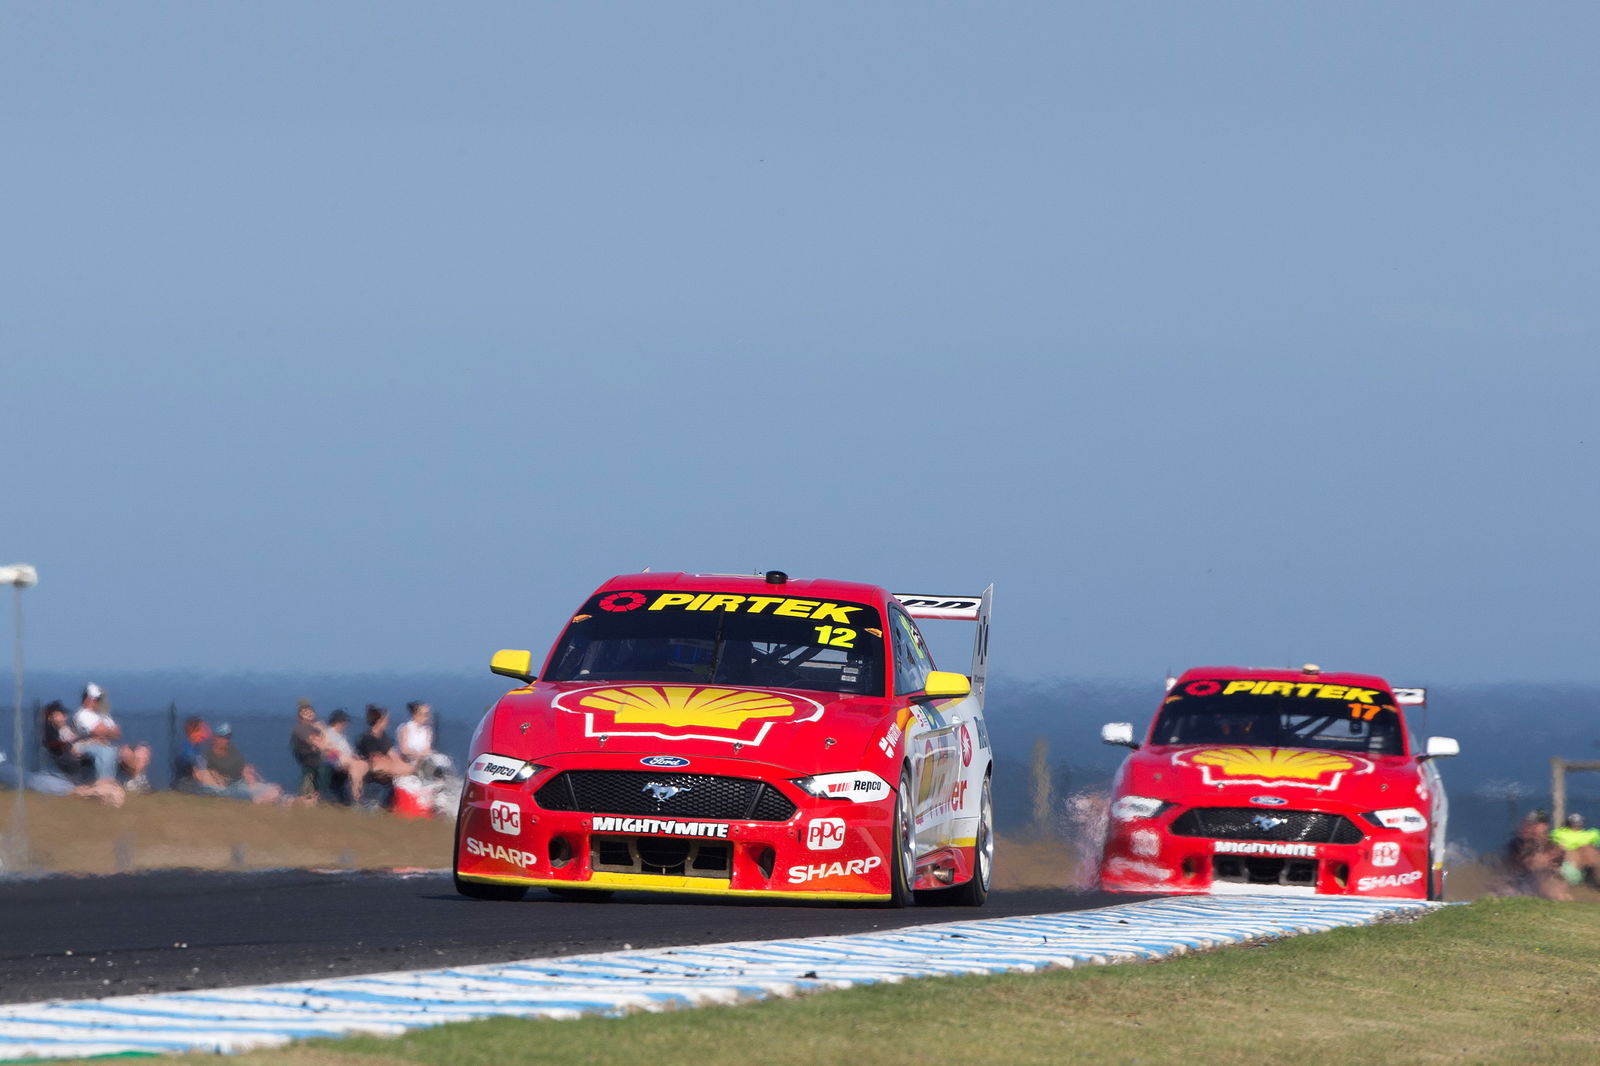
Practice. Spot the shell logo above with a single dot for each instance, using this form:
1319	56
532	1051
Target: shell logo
683	712
1321	770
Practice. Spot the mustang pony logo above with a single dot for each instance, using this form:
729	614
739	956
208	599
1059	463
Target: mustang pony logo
684	712
1321	770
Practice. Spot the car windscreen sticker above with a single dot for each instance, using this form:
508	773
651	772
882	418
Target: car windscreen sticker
787	606
1298	689
684	712
1320	770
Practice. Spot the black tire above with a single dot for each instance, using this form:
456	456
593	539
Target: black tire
477	890
975	892
903	844
582	895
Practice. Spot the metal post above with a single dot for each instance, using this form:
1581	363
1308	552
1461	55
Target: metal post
22	776
16	856
1558	792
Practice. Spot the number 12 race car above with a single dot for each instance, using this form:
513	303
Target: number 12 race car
738	736
1278	781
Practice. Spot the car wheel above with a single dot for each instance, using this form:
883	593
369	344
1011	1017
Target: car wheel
475	890
976	891
903	840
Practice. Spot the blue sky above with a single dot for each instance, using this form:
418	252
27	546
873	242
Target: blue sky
372	336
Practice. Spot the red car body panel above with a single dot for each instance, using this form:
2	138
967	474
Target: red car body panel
805	846
1239	816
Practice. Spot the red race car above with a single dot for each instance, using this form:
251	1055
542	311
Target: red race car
1278	781
739	736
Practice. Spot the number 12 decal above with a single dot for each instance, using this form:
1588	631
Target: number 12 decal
836	636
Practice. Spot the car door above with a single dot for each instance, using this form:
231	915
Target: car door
932	744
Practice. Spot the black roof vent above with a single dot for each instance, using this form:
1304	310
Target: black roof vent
776	577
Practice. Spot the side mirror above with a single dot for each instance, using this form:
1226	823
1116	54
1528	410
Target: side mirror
942	685
517	664
1441	748
1120	733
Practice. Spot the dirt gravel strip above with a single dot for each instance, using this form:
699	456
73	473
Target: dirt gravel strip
235	1019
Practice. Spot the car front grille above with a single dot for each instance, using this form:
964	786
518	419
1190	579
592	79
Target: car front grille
1254	823
1256	870
661	856
686	795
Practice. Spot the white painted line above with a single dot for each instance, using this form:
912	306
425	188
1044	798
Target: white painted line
234	1019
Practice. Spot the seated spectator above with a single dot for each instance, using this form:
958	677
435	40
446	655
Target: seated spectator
50	783
100	735
306	743
349	773
191	755
238	778
1533	860
1580	850
377	747
415	740
62	745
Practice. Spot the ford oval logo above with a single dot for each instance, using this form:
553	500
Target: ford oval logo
1268	801
664	760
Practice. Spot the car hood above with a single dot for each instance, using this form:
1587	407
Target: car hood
806	732
1221	775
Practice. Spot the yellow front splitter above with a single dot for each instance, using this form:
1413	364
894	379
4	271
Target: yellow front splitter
699	886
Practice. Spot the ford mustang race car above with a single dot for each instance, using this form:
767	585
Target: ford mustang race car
737	736
1278	781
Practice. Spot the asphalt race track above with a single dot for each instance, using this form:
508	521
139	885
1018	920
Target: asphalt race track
177	930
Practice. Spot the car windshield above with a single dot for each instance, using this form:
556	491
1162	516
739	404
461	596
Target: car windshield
723	639
1280	714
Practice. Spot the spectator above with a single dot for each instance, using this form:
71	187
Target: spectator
1533	860
348	771
99	734
62	745
415	740
66	771
1580	850
306	744
377	747
238	778
189	773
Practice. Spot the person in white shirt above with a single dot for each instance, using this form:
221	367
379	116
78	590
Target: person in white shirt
99	736
415	738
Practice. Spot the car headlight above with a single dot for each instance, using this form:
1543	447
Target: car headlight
491	769
857	786
1407	819
1137	807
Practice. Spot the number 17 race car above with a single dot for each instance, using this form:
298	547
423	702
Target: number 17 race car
736	736
1278	781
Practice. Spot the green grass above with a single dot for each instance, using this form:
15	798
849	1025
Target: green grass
1499	981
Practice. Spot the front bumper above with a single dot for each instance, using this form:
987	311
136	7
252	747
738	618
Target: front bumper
826	849
1143	855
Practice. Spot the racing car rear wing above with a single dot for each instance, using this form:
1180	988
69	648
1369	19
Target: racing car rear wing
962	609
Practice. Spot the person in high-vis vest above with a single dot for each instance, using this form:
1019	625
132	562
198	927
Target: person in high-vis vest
1582	850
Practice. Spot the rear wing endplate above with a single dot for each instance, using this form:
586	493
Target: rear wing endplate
961	609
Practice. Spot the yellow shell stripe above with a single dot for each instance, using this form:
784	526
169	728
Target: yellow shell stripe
1259	762
700	886
684	705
